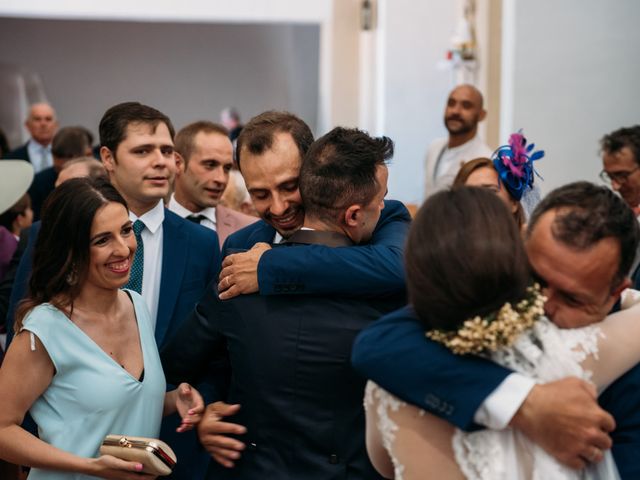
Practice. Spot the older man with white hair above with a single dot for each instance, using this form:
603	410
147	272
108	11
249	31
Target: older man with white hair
42	125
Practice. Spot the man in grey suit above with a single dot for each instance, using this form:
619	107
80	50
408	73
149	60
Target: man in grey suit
301	412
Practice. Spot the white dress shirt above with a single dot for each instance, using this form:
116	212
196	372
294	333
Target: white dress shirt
498	409
208	213
442	163
152	269
39	155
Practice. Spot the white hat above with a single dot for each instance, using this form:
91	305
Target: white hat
15	180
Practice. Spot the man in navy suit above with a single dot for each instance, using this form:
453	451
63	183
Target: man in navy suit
179	258
42	125
301	402
270	151
580	243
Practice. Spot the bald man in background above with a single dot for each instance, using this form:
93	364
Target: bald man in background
462	114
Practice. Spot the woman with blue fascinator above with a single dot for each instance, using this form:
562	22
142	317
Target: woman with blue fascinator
509	173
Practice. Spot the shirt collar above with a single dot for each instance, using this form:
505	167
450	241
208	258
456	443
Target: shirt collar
152	219
37	146
209	213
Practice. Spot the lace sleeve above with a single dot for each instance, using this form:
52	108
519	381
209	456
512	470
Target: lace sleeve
378	454
618	347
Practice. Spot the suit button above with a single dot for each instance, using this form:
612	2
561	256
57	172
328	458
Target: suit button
252	446
333	459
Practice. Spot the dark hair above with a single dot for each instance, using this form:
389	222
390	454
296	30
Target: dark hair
623	137
62	247
70	142
185	138
471	166
4	144
257	135
464	257
114	123
8	217
588	213
339	170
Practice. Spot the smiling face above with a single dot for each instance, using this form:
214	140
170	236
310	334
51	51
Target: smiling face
143	166
578	284
203	177
272	182
112	245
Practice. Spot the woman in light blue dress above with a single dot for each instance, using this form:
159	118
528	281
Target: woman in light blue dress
85	363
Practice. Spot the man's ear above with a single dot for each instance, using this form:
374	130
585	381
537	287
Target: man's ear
352	215
108	160
180	164
483	114
617	291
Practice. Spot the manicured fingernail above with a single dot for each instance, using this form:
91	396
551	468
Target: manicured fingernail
192	411
139	467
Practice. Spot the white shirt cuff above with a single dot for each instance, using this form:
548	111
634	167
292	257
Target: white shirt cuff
498	409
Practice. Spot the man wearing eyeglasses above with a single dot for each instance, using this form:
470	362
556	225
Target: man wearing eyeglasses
621	161
621	170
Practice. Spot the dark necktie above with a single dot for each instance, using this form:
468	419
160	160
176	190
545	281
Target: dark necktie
196	218
135	279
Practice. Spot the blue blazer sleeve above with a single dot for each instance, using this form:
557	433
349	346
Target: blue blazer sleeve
372	269
394	353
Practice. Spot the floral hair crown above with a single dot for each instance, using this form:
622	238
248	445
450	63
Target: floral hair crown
496	330
514	163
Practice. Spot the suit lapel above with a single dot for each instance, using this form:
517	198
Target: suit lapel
174	261
263	233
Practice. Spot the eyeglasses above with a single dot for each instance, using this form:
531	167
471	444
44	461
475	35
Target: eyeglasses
618	177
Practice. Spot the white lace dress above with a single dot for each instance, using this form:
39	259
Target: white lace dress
545	353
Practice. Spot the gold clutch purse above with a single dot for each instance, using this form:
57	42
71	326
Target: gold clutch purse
155	455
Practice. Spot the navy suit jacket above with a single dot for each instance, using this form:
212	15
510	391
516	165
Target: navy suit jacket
20	153
622	400
395	354
370	269
301	400
43	184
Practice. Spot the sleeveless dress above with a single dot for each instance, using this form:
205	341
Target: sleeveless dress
544	352
90	395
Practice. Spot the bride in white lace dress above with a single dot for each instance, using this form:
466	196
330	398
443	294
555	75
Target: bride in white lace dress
407	443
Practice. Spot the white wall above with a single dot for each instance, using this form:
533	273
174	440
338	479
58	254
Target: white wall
415	36
575	78
188	71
